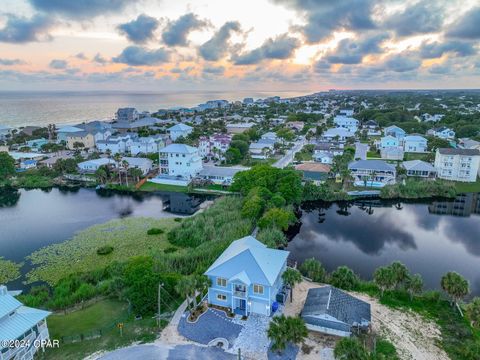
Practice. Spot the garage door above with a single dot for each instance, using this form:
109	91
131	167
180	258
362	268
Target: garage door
260	308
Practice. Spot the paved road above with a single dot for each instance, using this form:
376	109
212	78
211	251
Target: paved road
168	352
290	154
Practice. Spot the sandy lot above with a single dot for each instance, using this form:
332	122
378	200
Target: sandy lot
413	336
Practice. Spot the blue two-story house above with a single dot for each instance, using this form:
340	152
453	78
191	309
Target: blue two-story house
246	277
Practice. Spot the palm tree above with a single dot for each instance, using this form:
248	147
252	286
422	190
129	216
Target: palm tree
185	287
101	174
473	312
135	173
455	285
350	349
125	166
283	330
117	158
400	272
291	277
414	285
384	277
313	269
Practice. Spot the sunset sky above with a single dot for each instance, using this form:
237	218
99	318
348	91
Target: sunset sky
181	45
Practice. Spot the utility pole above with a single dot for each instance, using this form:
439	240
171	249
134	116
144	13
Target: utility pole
159	297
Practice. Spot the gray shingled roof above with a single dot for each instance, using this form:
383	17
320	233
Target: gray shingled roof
452	151
378	165
328	300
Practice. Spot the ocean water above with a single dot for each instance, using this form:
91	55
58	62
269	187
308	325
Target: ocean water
43	108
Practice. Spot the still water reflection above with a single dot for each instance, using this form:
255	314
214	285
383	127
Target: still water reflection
430	238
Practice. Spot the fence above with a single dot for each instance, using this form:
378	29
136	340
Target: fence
95	333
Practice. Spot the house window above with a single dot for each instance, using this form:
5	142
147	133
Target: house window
257	289
221	297
221	282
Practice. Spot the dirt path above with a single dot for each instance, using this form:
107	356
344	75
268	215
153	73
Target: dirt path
414	337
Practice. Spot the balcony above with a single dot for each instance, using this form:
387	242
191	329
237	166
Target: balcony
241	294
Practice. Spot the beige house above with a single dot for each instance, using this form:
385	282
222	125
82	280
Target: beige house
83	137
457	164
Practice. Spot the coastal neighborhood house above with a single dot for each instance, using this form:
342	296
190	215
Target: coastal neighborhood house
374	173
19	322
419	168
84	139
314	171
179	130
394	131
415	144
457	164
332	311
180	160
246	277
90	166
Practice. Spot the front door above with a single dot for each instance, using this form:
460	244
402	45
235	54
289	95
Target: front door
242	304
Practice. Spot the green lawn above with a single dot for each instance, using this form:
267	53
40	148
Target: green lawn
373	155
150	186
97	316
417	156
127	236
463	187
102	315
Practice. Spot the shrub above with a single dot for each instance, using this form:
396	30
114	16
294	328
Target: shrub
177	219
104	250
170	250
344	278
155	231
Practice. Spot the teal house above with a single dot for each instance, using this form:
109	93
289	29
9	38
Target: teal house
246	277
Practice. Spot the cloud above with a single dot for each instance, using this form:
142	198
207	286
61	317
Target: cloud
218	46
350	51
281	47
99	59
437	49
468	26
22	30
10	62
325	16
139	30
322	66
420	18
81	56
58	64
137	56
176	32
80	9
402	63
214	70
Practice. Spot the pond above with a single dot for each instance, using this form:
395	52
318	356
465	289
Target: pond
430	238
32	219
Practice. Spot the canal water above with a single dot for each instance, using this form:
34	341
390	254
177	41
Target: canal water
431	238
32	219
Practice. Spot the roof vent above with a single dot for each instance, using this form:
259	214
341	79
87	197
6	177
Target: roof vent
3	290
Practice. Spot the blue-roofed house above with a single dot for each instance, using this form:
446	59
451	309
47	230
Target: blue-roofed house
389	141
332	311
415	143
394	131
247	276
19	322
179	130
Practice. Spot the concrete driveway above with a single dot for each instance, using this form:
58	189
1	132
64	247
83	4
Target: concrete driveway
167	352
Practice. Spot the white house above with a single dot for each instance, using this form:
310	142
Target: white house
214	146
22	323
374	173
442	133
419	168
415	144
341	133
346	112
115	144
324	157
90	166
270	136
457	164
219	174
179	130
146	145
180	160
144	164
261	149
64	131
346	122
